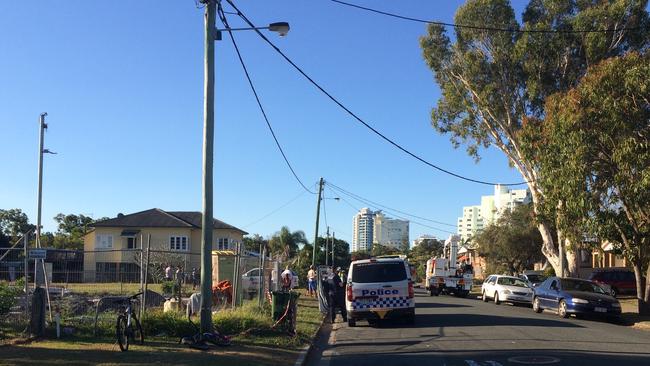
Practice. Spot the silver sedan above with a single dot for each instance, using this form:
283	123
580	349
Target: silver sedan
506	289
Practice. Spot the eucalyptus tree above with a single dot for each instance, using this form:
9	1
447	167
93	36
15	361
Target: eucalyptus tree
496	74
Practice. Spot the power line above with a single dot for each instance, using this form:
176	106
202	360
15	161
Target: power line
277	209
346	109
395	214
476	27
384	206
257	98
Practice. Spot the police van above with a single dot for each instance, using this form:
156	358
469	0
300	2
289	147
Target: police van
379	288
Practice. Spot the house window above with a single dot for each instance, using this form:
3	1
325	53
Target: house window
178	243
222	244
103	241
132	243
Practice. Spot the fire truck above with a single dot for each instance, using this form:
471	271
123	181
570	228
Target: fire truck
445	275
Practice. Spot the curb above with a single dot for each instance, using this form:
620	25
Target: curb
302	357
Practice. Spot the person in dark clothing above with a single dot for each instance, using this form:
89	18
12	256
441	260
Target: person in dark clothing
336	292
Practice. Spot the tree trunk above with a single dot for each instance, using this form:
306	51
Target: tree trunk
641	289
572	259
549	249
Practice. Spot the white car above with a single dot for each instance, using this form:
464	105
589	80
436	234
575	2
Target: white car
379	288
506	289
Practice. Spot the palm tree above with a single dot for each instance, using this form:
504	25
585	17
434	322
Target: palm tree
284	243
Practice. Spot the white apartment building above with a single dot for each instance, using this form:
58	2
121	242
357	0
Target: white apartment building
390	232
475	218
362	230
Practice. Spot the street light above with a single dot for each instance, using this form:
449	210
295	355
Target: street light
211	34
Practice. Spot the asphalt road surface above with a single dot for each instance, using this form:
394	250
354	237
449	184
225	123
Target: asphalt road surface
455	331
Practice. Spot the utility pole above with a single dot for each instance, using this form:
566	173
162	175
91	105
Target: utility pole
327	242
41	142
333	246
320	192
208	154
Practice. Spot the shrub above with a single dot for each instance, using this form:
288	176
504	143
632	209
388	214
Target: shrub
168	287
7	297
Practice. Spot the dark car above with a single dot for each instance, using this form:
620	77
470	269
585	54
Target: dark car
569	296
621	280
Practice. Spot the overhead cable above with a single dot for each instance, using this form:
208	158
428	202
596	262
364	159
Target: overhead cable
259	103
484	28
384	206
356	117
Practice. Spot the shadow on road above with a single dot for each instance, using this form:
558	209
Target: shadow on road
495	357
475	320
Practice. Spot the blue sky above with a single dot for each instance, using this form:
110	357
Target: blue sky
122	82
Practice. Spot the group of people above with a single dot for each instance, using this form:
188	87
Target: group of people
333	287
181	277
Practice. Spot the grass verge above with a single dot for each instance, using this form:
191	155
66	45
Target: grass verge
254	342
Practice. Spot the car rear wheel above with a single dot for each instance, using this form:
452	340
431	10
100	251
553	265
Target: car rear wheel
536	307
484	297
614	291
561	309
496	298
352	322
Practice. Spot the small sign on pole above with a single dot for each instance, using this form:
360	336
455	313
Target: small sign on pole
37	253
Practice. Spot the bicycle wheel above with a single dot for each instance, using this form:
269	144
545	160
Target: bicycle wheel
138	334
122	333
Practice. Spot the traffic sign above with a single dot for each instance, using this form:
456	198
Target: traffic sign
37	253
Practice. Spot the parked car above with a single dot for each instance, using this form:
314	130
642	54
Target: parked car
620	280
506	289
569	296
250	281
533	278
379	288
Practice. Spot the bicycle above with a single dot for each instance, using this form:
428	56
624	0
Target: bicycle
127	327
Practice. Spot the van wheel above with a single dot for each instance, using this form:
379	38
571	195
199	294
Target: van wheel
484	297
352	322
496	298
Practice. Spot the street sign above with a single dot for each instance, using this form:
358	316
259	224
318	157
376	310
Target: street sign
37	253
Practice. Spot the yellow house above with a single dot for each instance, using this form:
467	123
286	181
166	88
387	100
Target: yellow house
112	248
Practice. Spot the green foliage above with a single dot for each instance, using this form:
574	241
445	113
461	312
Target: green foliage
495	83
422	252
512	244
14	222
285	243
168	286
253	243
8	295
593	150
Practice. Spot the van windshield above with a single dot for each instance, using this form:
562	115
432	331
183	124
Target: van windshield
378	272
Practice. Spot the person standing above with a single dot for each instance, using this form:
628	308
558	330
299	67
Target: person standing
311	281
195	278
336	294
179	281
286	279
168	273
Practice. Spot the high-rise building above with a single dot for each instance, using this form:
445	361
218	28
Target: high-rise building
362	230
475	218
392	233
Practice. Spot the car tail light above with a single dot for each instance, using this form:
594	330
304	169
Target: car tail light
411	291
350	293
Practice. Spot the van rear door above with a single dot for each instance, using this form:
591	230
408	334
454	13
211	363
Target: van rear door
380	285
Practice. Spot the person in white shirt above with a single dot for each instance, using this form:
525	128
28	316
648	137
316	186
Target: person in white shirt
286	279
311	281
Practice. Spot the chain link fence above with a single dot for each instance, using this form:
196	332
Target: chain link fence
81	284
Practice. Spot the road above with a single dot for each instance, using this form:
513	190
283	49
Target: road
454	331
